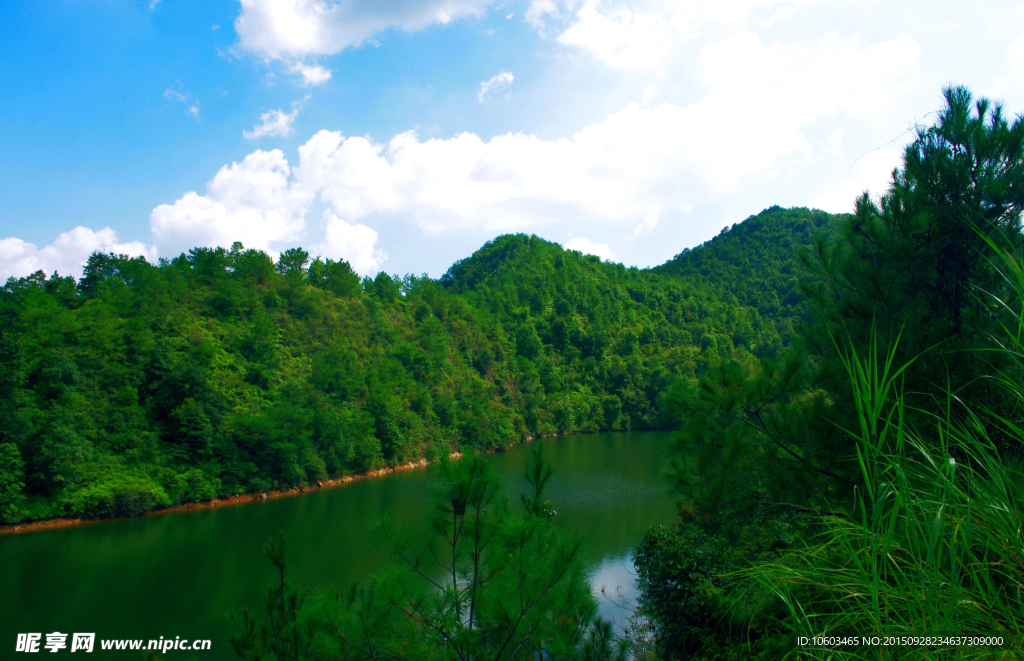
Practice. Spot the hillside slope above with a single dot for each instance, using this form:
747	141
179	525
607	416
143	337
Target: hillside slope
220	372
757	261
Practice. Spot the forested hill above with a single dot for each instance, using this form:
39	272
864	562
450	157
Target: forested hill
220	372
584	308
758	261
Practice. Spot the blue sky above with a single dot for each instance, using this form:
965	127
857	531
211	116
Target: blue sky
402	134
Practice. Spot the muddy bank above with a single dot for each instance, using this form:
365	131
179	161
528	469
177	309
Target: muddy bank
49	524
229	501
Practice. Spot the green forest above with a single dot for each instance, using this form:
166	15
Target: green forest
846	392
220	372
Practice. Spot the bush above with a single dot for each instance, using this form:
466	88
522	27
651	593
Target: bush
693	605
110	490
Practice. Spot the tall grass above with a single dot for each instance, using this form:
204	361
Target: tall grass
934	546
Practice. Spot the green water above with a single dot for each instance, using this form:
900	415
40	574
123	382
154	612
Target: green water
181	574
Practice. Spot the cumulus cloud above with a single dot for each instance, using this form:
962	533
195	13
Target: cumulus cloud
1012	70
494	85
650	220
622	39
634	168
871	173
263	203
588	247
644	35
251	202
312	74
273	122
67	254
629	166
356	244
297	28
834	144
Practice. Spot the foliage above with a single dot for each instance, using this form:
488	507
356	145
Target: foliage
114	491
933	548
281	635
487	583
693	606
903	488
11	481
758	262
537	475
918	262
220	372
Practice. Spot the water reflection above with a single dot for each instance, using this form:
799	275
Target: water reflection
181	574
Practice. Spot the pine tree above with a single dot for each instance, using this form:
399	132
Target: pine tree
914	266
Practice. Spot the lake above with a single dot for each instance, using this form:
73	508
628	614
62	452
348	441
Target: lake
181	574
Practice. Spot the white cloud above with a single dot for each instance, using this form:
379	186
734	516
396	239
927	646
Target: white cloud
644	35
297	28
649	221
622	39
1013	71
251	202
274	123
494	85
312	74
538	10
66	255
356	244
261	204
834	144
796	83
779	15
588	247
191	108
871	172
634	168
629	166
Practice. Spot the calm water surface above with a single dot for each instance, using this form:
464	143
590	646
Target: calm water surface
182	574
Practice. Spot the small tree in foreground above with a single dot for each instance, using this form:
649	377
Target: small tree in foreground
486	583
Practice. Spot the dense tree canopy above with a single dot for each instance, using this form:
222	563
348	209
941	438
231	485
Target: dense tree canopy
758	262
220	371
905	371
913	272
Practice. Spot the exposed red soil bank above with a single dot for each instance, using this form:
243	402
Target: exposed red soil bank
49	524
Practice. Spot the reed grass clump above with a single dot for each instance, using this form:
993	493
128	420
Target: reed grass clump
929	561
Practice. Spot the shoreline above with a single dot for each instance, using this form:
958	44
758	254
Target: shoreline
229	501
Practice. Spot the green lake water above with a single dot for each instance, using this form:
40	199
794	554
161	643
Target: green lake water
181	574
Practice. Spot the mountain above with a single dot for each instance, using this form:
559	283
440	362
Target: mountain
220	372
758	261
